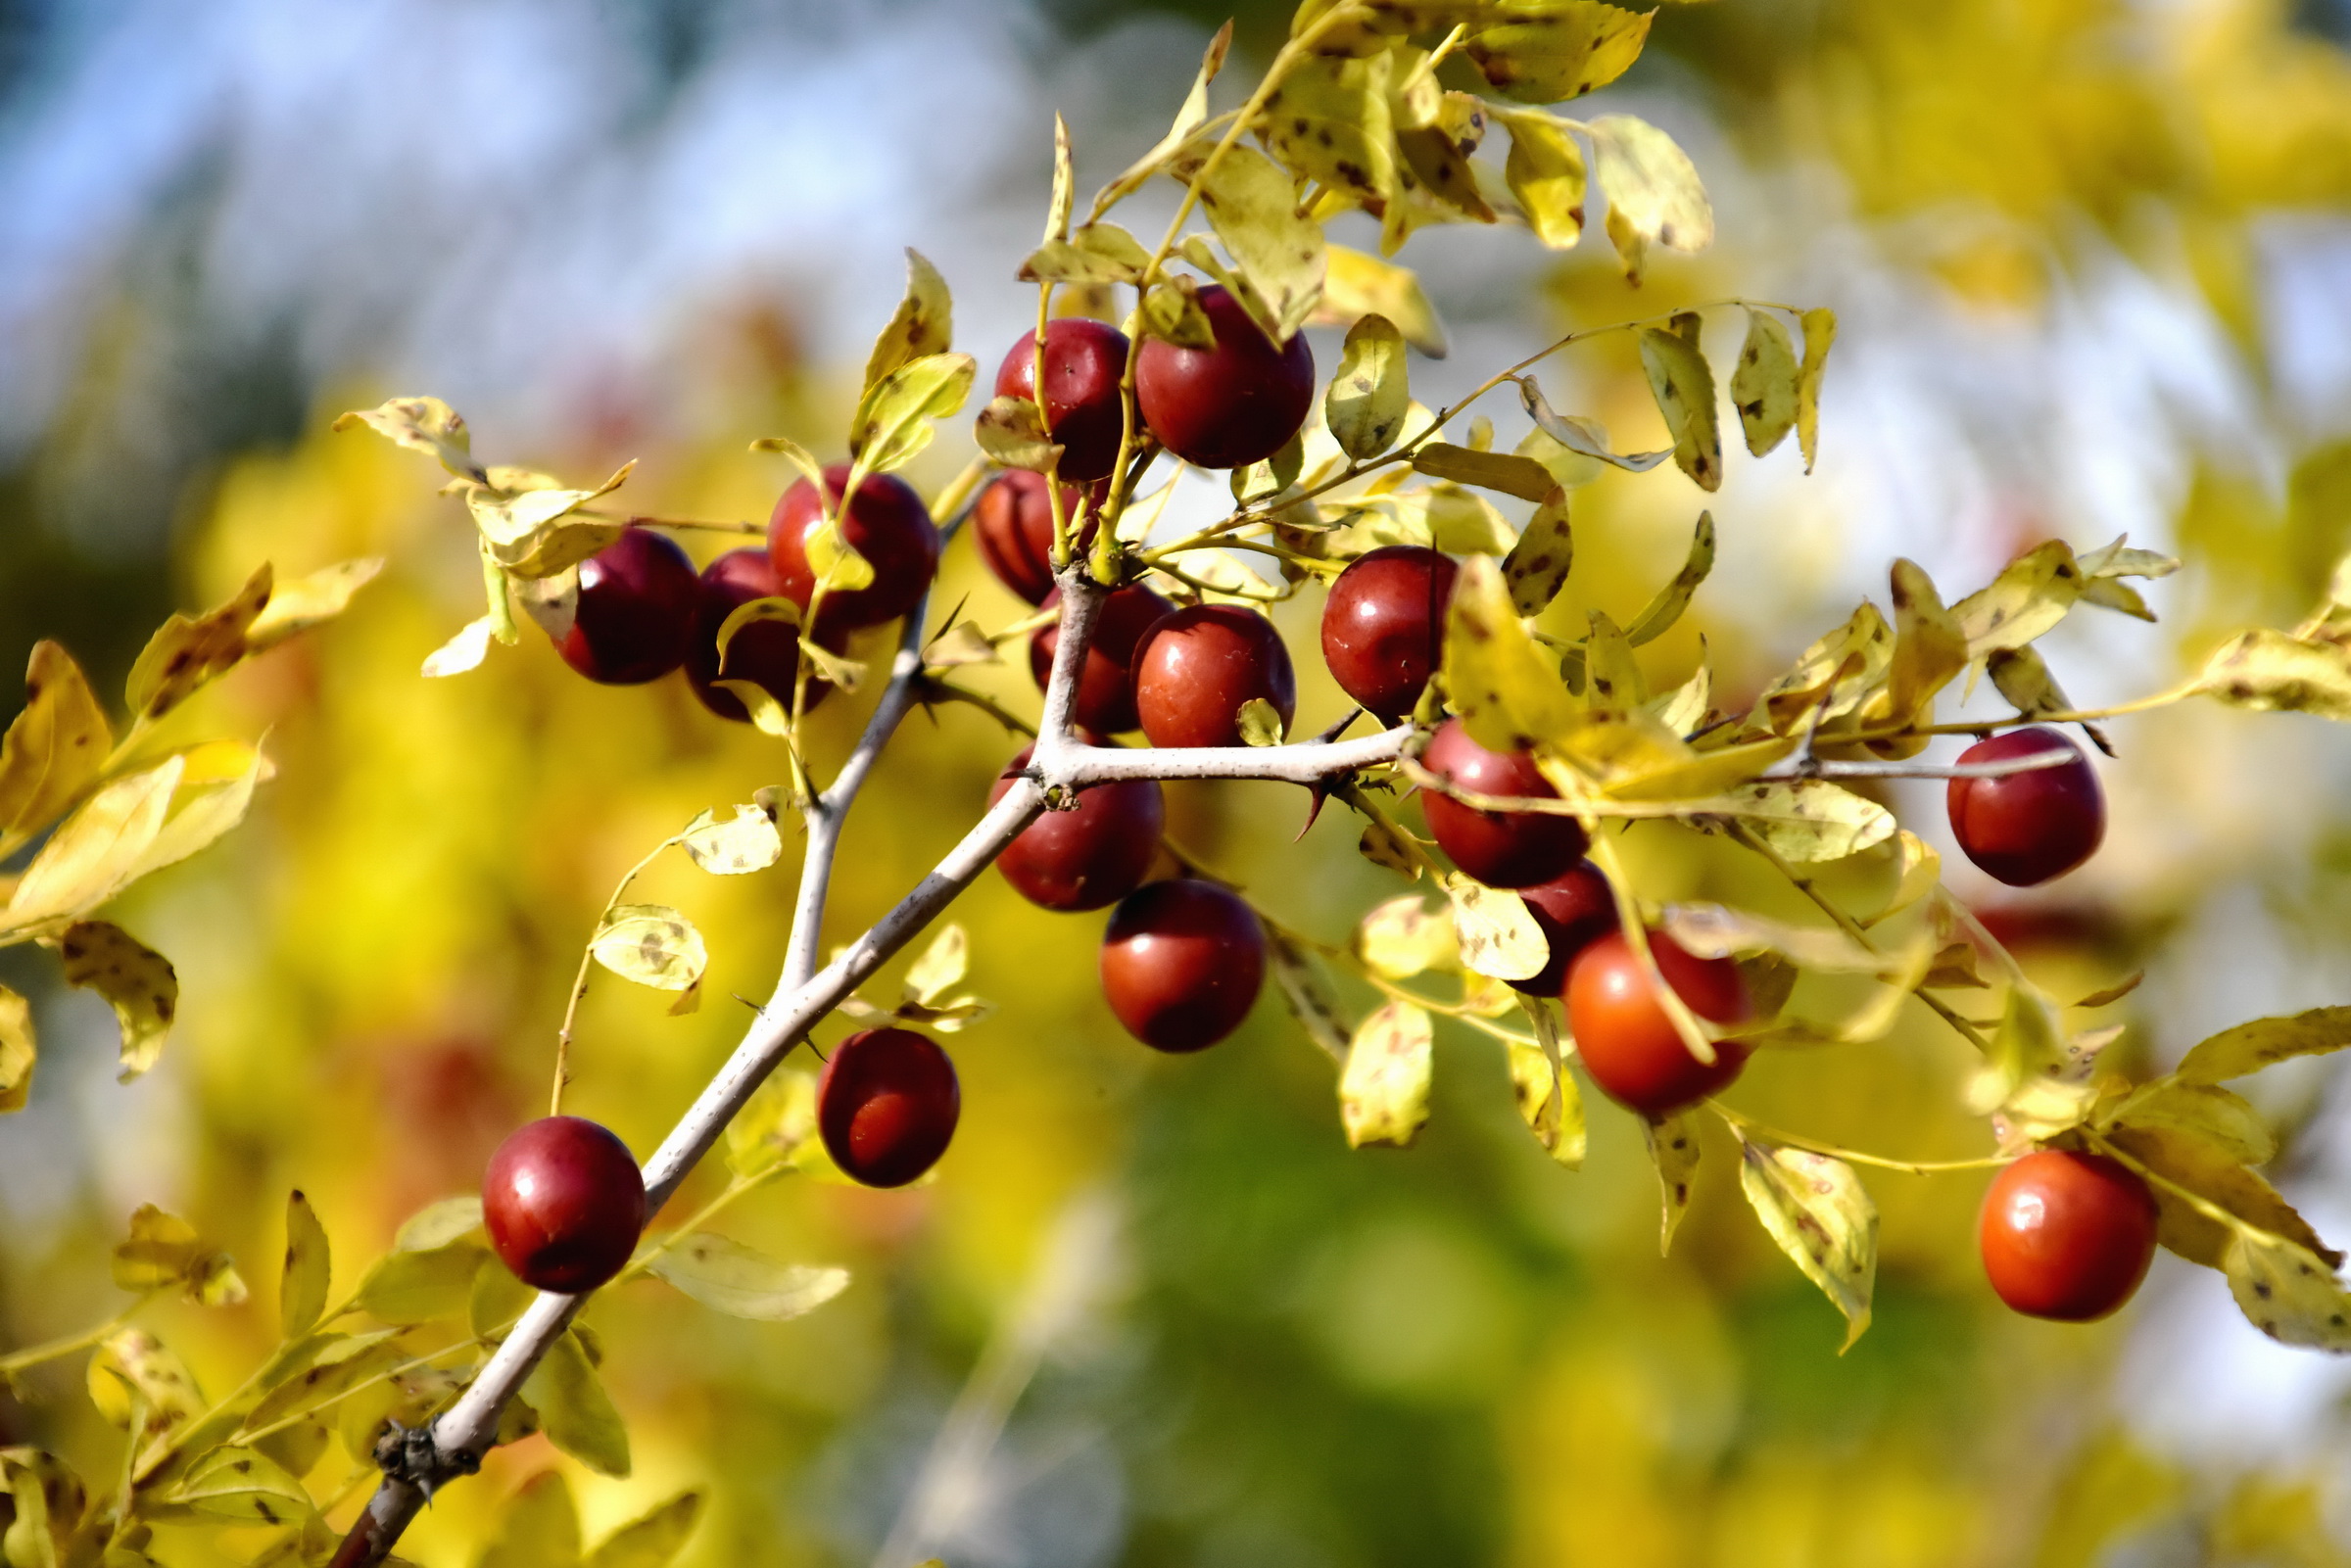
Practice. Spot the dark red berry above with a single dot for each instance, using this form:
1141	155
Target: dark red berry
1622	1032
1500	848
2027	828
1573	909
1182	963
563	1204
886	524
887	1106
1230	405
2067	1235
635	610
766	653
1013	523
1085	361
1090	856
1383	626
1105	680
1195	668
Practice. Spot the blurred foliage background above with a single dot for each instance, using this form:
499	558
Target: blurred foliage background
2093	263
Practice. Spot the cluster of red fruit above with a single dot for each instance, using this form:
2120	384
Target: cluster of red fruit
2064	1235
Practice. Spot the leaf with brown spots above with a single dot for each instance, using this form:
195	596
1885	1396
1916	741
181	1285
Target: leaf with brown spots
1654	197
1683	385
2270	671
1537	567
1330	121
2249	1047
1673	1149
2287	1292
1763	386
2191	1160
1571	48
925	321
18	1051
1820	334
1368	397
651	944
132	1358
1545	172
302	1283
54	749
1253	206
137	982
297	605
1383	1086
423	424
894	419
239	1483
1822	1217
184	653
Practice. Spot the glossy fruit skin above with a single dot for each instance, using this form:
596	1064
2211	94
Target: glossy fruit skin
1230	405
2067	1236
1106	680
1013	523
564	1202
1573	909
635	610
2028	827
1383	626
1089	857
1622	1030
1182	963
1085	361
764	652
1195	668
887	1106
887	523
1500	848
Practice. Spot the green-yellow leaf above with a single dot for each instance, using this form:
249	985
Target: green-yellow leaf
1713	930
1098	253
214	791
747	842
1507	472
132	1358
1366	404
1808	820
651	944
438	1223
1508	696
50	1500
1173	311
1253	206
2191	1160
1820	334
1657	617
1929	648
186	652
2272	670
1537	567
924	324
1673	1149
137	982
1545	172
1497	936
420	1287
1383	1089
339	1365
742	1283
1308	995
423	424
1330	121
540	1529
2030	596
2287	1293
2227	1120
18	1051
1822	1216
1403	937
654	1540
1683	385
1259	722
302	1284
237	1483
303	602
942	966
1357	284
1581	436
55	746
2249	1047
574	1410
163	1251
1012	434
1549	1100
1654	197
1437	155
1565	50
1763	386
536	533
894	419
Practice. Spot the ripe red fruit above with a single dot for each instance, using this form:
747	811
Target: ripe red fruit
2027	828
1084	360
766	653
1230	405
886	522
1622	1030
1195	668
1089	857
635	610
1500	848
1105	680
1383	626
2067	1235
1573	909
887	1106
1014	522
1182	963
563	1204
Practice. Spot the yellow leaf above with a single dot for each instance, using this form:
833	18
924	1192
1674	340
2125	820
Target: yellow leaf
1684	388
747	842
574	1410
303	602
892	422
654	1540
97	850
1537	567
2266	671
1659	616
1253	206
461	652
2191	1160
1545	172
1820	334
421	1286
137	982
240	1483
1512	475
18	1051
1403	937
1308	995
942	966
184	653
534	532
1508	696
1614	684
1570	48
1368	395
1328	120
651	944
1711	930
924	322
1498	937
2225	1120
1808	820
423	424
55	746
439	1224
1818	1212
2287	1293
1098	253
2031	595
1583	437
215	789
1917	869
1259	722
2249	1047
1653	193
732	1278
1437	158
1763	386
1831	676
1549	1100
302	1284
540	1529
1383	1089
1673	1149
777	1127
1929	648
132	1358
1357	284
